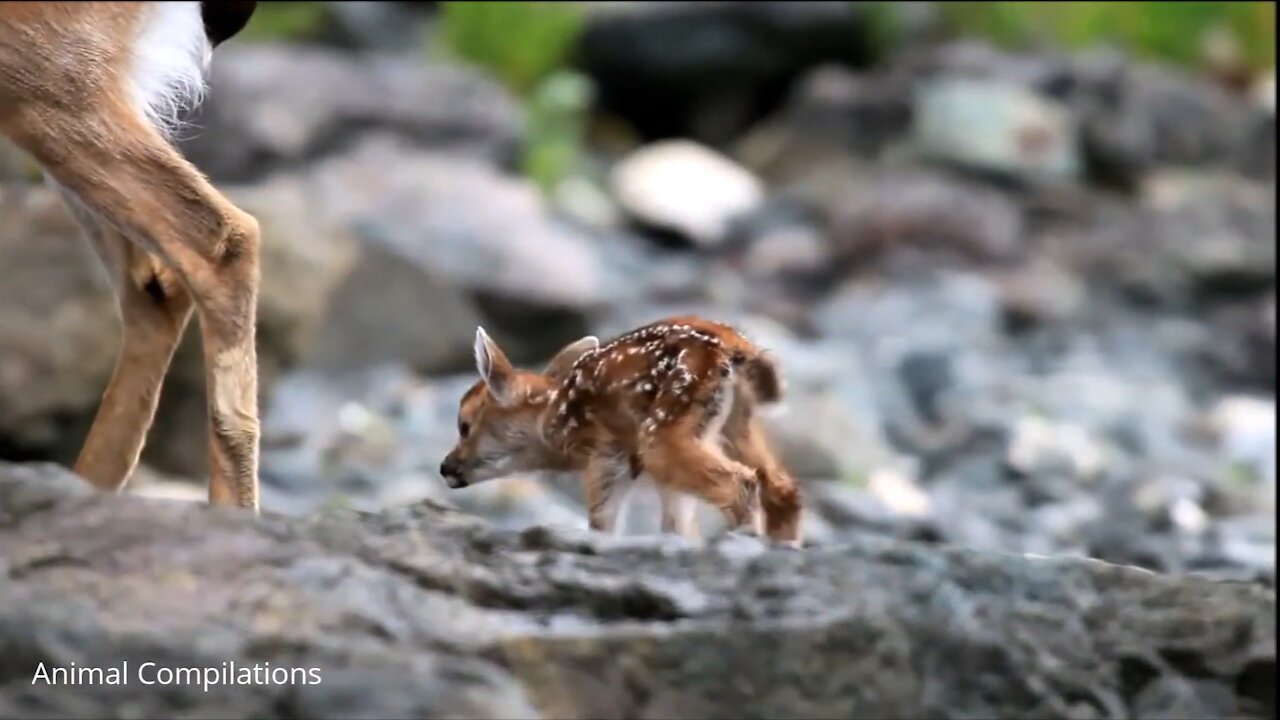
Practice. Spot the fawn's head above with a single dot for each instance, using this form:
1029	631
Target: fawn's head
498	416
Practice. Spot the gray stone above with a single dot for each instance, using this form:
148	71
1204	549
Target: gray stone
881	216
271	106
997	127
685	188
707	70
59	332
552	622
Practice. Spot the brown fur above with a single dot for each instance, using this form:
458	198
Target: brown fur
170	241
675	399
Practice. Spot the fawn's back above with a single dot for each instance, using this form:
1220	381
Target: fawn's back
680	374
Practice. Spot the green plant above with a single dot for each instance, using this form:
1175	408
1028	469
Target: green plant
527	46
520	43
284	21
555	126
1172	31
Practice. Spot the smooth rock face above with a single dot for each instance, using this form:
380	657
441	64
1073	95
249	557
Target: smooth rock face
271	106
418	611
59	333
686	188
994	126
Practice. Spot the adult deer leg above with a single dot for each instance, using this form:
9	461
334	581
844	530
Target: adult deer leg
125	172
154	310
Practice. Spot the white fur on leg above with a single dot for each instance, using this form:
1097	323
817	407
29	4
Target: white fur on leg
170	57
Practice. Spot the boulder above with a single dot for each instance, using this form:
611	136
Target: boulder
273	106
556	622
685	188
995	127
832	111
59	331
1132	116
708	70
874	217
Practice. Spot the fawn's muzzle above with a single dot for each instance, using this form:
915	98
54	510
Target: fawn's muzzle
451	471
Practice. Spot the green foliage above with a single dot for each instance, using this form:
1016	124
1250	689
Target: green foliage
520	43
555	127
274	21
527	47
1172	31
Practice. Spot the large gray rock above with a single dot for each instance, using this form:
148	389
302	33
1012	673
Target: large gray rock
997	127
420	611
273	106
707	70
873	215
58	328
1132	117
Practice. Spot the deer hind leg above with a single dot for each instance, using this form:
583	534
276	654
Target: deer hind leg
127	174
154	310
779	494
684	463
679	513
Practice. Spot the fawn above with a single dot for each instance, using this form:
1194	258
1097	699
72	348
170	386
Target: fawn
91	90
674	399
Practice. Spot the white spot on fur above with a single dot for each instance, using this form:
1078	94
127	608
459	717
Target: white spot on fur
170	59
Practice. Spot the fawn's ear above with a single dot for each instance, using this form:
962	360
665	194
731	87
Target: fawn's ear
494	368
569	354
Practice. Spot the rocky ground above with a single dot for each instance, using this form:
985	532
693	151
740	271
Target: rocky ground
419	611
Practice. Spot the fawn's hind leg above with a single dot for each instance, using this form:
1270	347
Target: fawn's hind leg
684	463
679	513
779	494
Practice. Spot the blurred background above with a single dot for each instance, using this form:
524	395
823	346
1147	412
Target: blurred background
1017	259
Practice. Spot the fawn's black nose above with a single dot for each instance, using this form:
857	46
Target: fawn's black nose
451	471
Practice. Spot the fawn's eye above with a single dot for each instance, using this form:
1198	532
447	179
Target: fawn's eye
463	429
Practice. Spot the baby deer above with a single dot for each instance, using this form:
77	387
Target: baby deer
674	399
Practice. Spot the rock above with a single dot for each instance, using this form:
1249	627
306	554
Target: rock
59	332
1039	446
682	187
267	109
997	127
1041	292
933	350
1264	92
391	26
902	213
1242	341
706	71
564	623
1132	117
1196	240
833	111
1244	430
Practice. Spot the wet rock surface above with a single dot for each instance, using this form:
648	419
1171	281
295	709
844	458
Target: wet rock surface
555	622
